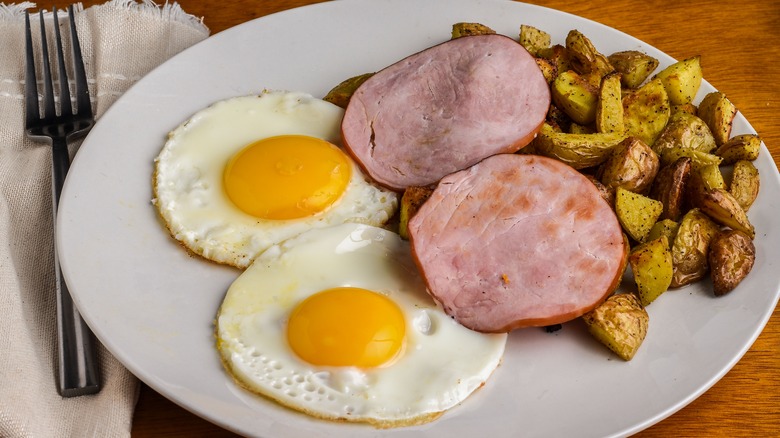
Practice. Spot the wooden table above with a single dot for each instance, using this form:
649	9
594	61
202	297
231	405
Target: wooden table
738	42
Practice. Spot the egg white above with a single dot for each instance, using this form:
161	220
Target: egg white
188	191
442	362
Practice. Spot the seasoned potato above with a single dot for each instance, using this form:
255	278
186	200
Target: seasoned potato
468	29
669	187
533	39
718	113
711	177
666	228
698	158
646	111
722	208
742	147
411	201
634	67
608	195
620	323
686	131
577	150
688	108
690	248
731	258
558	55
632	165
745	183
636	213
341	93
609	108
584	57
557	119
651	264
576	96
549	70
682	80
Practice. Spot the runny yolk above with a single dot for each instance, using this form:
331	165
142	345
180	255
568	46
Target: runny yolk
286	177
346	327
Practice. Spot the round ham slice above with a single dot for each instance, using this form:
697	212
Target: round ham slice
517	241
444	109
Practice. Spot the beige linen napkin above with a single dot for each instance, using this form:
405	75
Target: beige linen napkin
121	41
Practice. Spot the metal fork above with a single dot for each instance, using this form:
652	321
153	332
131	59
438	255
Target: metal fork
76	346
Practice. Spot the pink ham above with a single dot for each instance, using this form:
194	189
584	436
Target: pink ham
444	109
517	241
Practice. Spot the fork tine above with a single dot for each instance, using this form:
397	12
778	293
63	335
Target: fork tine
32	111
83	105
65	105
48	90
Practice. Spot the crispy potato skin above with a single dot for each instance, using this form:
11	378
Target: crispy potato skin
533	39
718	113
669	187
745	184
468	29
632	165
731	257
634	67
687	131
579	151
584	57
341	93
411	201
691	246
620	323
722	208
742	147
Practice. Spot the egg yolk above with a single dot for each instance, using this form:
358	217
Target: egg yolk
346	327
287	177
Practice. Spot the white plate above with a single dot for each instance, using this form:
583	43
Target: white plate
152	305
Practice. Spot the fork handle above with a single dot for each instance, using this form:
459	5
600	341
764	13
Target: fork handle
76	345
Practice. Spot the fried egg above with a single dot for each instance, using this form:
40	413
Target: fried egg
336	322
250	171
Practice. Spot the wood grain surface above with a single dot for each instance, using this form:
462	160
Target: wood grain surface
738	42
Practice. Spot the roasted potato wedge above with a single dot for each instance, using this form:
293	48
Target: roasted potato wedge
411	201
688	108
632	165
636	213
651	264
468	29
666	228
620	323
584	57
634	67
686	131
609	108
682	80
669	187
533	39
558	55
608	195
718	113
549	70
576	96
646	111
741	147
691	246
577	150
698	158
731	258
722	208
341	93
745	183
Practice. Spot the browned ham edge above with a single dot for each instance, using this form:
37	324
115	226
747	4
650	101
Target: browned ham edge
444	109
517	241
